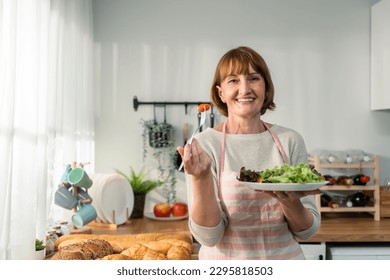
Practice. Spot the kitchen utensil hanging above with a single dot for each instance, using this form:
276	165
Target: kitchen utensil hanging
212	117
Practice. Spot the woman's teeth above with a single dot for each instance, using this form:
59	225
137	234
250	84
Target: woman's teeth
245	99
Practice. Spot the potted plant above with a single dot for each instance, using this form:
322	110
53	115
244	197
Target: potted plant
141	186
39	249
158	140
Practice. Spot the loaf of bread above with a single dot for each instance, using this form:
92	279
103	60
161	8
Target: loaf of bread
69	255
133	247
84	250
178	253
115	246
122	242
169	249
115	257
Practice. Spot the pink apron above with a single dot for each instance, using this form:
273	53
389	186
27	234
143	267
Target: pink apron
257	228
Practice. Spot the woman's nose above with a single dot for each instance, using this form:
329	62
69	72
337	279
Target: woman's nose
244	86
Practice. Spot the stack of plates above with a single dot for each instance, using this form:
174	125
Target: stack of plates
113	198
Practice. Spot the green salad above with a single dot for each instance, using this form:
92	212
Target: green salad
302	173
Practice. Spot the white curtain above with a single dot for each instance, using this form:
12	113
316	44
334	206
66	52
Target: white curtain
46	112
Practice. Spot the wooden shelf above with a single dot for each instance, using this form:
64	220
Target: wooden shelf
348	209
373	189
349	188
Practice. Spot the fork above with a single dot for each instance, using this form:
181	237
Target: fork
202	121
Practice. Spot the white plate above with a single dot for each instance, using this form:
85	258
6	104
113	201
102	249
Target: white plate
285	186
94	191
116	195
151	215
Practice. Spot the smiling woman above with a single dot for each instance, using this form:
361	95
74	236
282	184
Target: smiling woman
239	222
46	116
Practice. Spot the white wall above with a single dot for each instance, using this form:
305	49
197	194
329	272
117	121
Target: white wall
166	50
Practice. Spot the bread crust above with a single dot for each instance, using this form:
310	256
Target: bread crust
116	257
126	240
134	247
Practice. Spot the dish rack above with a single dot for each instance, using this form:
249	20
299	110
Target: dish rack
372	190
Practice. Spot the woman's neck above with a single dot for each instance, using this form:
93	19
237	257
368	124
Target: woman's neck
245	126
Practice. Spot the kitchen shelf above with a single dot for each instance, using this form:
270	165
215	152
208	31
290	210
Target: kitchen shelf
373	189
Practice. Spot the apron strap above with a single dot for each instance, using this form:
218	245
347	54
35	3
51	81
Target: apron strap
277	142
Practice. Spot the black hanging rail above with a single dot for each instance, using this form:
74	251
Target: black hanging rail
137	103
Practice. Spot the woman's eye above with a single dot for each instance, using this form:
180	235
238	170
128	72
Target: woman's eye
232	81
255	78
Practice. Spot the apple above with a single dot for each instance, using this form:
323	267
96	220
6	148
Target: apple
162	210
179	209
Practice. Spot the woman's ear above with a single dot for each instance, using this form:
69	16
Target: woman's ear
220	93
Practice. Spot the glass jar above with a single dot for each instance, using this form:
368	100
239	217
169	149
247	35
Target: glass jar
65	227
50	246
58	231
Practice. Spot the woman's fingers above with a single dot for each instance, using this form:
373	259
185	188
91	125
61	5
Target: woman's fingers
180	150
195	160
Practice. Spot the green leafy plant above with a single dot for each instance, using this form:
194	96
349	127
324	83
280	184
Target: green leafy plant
158	139
139	182
39	245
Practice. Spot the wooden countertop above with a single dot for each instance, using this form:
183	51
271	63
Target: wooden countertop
352	228
342	228
143	225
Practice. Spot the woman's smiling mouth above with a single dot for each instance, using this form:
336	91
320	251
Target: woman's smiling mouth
245	99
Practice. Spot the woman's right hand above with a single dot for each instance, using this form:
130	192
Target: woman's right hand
196	162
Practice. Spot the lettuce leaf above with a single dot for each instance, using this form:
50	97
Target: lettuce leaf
302	173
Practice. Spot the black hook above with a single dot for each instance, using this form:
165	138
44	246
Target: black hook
165	113
154	113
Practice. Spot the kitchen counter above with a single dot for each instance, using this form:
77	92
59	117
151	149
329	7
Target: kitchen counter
342	228
352	228
143	225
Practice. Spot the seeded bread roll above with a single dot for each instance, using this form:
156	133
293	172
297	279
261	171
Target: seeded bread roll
69	255
90	249
88	253
104	246
69	242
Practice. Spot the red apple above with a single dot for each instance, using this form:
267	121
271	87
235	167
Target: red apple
179	209
162	210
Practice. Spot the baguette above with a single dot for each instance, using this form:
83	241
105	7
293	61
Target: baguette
178	253
160	250
115	257
123	241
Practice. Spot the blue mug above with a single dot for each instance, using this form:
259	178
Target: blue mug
85	214
65	198
78	177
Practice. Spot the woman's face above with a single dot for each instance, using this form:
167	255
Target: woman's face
243	94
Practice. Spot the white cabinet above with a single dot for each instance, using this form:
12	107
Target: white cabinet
314	251
380	55
358	252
